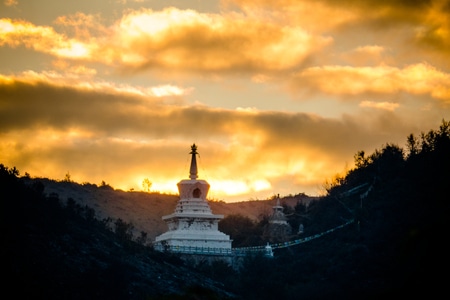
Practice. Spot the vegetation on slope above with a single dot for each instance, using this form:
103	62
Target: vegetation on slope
397	245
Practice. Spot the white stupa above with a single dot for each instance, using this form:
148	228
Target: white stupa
278	216
193	228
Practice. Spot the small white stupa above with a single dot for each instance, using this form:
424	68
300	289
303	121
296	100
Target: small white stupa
278	216
278	229
192	227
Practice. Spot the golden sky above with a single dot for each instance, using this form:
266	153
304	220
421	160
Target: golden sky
278	95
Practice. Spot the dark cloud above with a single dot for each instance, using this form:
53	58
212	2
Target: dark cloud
25	106
428	20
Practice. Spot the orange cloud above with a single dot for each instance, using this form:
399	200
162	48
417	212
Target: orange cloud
309	15
11	2
44	39
188	40
345	80
424	25
368	55
79	82
171	39
380	105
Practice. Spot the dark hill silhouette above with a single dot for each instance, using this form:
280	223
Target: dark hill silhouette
56	247
53	250
145	210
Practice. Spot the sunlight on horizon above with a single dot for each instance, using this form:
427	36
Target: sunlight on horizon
218	188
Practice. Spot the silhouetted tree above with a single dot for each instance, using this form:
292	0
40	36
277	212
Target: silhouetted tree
104	185
67	177
89	214
360	160
147	185
123	230
142	239
242	230
412	145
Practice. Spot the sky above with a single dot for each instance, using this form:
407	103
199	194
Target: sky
278	95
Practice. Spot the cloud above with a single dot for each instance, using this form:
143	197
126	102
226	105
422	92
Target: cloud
10	2
309	15
15	33
188	40
346	80
422	24
94	132
368	55
170	39
50	99
268	38
293	32
380	105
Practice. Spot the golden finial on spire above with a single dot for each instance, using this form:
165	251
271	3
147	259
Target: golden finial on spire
194	149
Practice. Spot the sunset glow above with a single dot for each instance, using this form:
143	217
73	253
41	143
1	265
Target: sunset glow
278	95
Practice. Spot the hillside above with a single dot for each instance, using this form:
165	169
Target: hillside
144	210
52	251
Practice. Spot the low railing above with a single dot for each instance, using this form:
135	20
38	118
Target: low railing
243	251
213	251
194	250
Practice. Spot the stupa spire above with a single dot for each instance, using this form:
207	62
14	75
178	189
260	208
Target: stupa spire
193	171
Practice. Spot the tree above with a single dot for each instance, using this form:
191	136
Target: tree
360	160
105	186
142	239
242	230
67	178
412	145
124	230
147	185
